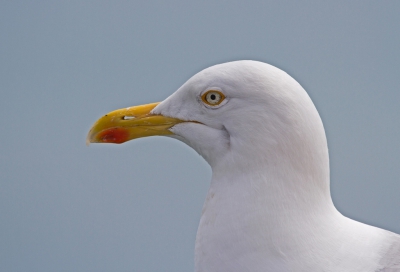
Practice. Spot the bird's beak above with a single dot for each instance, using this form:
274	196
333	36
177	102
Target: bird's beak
130	123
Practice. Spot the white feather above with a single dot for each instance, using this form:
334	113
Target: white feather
269	206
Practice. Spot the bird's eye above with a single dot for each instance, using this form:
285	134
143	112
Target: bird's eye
213	98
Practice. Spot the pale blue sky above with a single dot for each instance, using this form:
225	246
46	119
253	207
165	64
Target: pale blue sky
135	207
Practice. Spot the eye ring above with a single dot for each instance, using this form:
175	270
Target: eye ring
213	98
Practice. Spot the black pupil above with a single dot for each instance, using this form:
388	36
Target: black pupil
213	97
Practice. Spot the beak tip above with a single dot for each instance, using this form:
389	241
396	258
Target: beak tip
88	139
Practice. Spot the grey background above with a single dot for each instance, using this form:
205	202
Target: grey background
135	207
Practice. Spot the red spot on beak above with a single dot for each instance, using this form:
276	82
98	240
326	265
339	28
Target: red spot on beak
113	135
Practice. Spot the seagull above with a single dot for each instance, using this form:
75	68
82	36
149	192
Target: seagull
269	206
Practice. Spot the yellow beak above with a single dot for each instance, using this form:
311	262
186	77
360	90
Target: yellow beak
130	123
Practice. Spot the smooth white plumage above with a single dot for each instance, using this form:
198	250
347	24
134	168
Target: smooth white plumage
269	206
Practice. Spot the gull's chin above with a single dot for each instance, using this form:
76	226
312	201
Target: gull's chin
211	143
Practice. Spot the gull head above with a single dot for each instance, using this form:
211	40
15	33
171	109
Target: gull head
246	114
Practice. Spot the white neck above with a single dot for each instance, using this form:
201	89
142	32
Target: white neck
274	212
258	206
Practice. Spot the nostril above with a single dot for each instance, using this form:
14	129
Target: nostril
128	117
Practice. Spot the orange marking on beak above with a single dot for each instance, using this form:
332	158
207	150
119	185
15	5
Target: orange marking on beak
114	135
